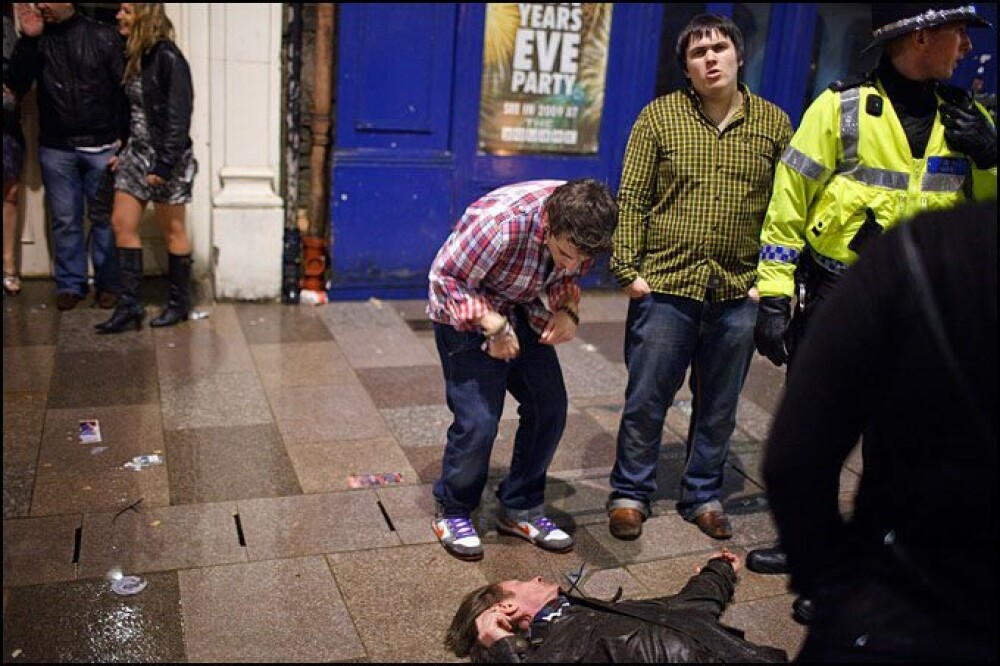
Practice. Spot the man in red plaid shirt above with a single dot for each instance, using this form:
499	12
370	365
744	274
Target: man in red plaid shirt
495	334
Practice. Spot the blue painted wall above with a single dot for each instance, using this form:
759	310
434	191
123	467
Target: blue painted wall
404	160
405	163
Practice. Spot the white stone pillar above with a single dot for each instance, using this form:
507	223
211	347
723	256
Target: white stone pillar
244	102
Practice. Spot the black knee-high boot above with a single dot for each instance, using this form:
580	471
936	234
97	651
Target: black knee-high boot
128	310
179	298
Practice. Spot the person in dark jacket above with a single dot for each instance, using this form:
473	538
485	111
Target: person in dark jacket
77	63
156	165
872	151
534	621
904	350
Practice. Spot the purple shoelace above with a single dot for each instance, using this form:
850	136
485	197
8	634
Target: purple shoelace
544	524
461	527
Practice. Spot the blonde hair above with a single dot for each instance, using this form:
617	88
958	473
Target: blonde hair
151	25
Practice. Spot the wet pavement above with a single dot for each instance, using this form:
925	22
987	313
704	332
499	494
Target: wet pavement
251	541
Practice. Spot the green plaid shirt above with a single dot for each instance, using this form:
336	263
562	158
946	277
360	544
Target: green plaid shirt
692	199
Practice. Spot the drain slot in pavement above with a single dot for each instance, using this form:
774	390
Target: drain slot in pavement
239	530
385	514
77	538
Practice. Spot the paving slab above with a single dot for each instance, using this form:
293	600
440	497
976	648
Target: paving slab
312	524
39	550
206	401
405	615
103	378
85	622
140	539
220	464
326	465
301	364
27	368
288	610
346	409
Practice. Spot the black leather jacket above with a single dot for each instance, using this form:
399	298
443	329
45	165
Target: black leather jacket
78	65
168	100
683	628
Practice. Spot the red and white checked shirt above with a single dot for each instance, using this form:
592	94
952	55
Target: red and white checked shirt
496	258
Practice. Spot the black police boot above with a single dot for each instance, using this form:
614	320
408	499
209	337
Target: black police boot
179	296
128	310
803	610
768	561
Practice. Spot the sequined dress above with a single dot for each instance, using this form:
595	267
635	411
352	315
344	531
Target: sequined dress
137	159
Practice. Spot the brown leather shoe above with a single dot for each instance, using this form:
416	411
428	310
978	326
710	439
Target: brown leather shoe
625	523
67	300
106	300
715	524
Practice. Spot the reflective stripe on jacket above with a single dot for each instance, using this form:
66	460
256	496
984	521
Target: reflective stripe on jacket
851	154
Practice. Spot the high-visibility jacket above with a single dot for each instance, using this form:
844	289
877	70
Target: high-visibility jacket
849	155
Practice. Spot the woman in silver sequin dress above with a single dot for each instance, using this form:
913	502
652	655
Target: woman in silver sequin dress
157	163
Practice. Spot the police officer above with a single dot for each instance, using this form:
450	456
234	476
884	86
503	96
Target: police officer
870	152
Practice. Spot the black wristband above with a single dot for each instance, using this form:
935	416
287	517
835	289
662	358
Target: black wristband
572	315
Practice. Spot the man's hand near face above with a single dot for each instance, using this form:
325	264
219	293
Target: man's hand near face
493	625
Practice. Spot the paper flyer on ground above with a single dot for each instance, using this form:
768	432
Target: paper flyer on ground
90	431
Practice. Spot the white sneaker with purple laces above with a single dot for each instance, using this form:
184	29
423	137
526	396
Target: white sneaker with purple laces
541	531
459	537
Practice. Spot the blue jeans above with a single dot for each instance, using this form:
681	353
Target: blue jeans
475	386
70	177
666	334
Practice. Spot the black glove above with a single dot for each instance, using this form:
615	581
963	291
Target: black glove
968	131
774	313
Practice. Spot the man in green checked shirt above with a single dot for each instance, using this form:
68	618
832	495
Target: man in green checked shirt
695	186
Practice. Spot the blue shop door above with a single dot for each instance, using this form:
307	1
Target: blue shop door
392	165
410	155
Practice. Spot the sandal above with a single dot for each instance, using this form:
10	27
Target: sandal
11	284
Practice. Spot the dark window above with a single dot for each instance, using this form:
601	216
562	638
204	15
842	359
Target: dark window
842	31
669	76
754	20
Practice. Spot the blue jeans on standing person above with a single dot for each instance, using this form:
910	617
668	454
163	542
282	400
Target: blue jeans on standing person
70	178
475	387
666	335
